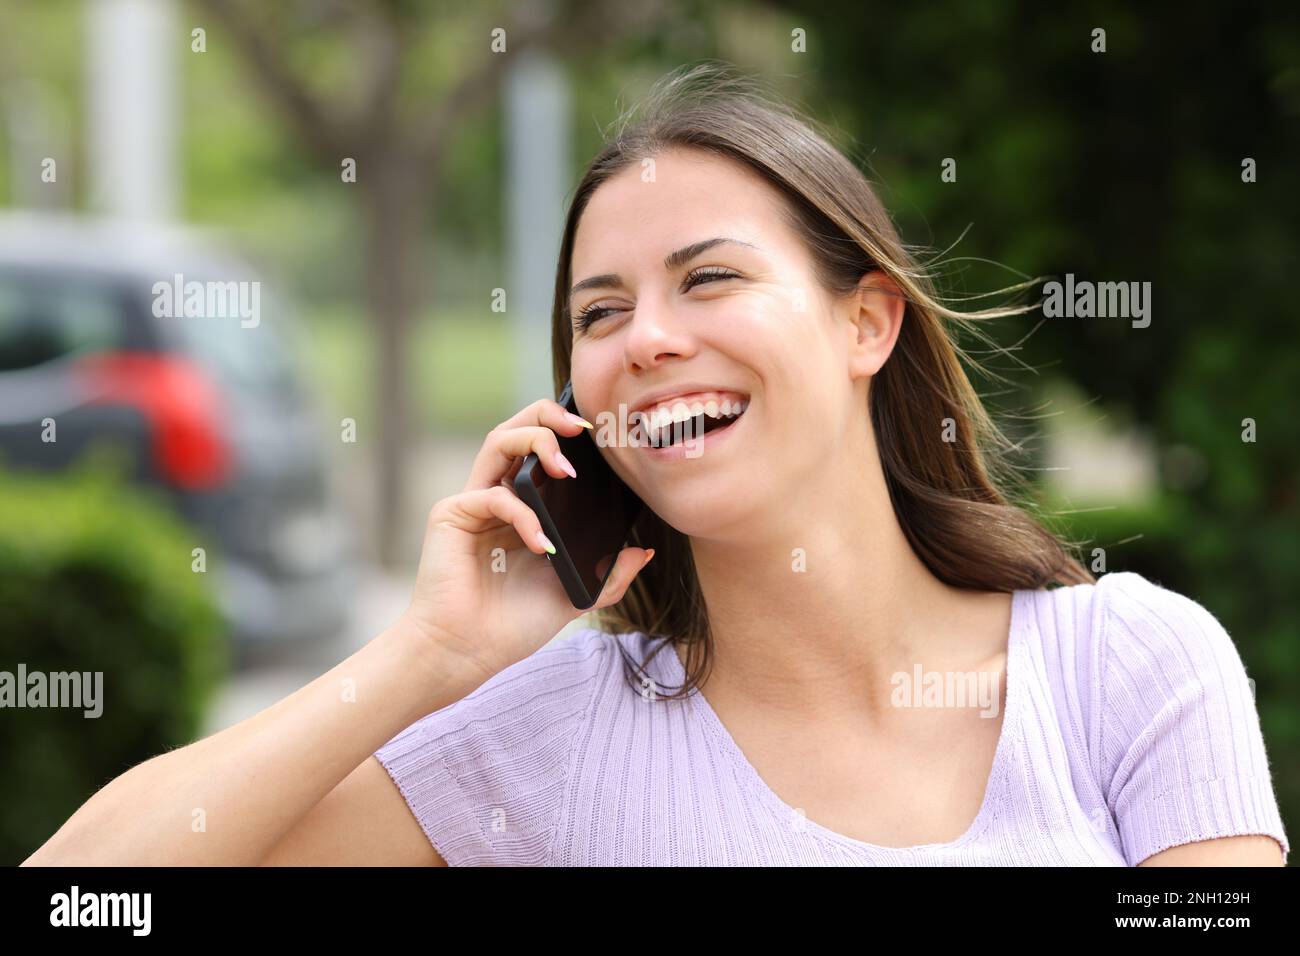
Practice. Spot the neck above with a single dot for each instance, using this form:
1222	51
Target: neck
812	613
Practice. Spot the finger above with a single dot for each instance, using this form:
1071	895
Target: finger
544	411
495	462
508	479
485	510
630	563
503	449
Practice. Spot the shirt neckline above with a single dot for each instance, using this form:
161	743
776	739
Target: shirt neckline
749	776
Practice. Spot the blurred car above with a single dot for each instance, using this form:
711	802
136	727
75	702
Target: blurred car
209	409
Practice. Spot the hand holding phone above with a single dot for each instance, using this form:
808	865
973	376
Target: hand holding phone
484	589
588	518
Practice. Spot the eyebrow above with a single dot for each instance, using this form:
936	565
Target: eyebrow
672	261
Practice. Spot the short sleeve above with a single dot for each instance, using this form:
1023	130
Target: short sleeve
1182	754
485	777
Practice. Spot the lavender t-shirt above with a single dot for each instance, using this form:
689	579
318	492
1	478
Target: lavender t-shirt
1129	727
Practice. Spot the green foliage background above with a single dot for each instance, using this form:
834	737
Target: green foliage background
95	577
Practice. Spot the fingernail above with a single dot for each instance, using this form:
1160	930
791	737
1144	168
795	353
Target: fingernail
564	464
648	555
579	421
545	542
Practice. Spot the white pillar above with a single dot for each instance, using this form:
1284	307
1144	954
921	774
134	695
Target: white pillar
538	176
132	73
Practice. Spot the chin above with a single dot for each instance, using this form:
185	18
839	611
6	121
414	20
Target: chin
711	513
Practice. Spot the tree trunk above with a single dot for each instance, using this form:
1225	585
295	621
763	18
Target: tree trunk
395	192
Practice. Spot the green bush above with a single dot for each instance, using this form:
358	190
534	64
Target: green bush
95	577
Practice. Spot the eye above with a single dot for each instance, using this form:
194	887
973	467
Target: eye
707	274
590	314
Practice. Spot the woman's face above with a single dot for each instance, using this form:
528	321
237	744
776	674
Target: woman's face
743	321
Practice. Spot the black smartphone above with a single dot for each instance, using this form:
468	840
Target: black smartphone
586	518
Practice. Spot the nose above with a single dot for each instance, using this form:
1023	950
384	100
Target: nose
655	335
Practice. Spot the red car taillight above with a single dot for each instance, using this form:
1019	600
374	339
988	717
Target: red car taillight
182	405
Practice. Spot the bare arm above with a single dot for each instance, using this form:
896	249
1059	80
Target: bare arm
233	798
1254	850
296	783
362	822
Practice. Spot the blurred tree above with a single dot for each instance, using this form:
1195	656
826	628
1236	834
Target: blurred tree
396	91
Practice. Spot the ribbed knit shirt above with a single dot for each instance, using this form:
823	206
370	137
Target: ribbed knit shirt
1129	727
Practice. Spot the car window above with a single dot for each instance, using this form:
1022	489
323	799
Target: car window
241	354
43	319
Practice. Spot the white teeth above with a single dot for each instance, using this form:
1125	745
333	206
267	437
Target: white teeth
656	420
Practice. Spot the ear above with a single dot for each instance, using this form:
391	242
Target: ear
875	311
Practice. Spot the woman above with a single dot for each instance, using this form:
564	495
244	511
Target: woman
838	562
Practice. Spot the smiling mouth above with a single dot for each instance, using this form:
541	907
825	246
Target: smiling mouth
665	432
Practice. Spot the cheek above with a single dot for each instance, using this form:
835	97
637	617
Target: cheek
796	363
753	327
769	334
779	315
593	368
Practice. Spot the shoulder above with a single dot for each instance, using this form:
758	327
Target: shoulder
1126	647
1161	643
1126	658
1144	607
485	776
1125	620
1169	715
1166	661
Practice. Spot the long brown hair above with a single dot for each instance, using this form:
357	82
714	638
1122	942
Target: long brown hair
947	495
